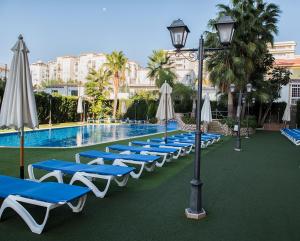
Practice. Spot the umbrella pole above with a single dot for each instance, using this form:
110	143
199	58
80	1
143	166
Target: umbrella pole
166	115
22	153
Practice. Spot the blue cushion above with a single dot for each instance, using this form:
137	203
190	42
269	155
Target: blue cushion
140	149
72	167
155	144
51	192
112	156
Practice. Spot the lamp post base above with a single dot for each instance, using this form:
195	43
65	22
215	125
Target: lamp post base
192	215
237	149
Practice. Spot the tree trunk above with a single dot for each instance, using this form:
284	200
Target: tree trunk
243	110
266	113
259	114
230	104
116	90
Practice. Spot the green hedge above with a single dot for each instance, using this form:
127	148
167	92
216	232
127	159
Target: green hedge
230	122
64	108
142	110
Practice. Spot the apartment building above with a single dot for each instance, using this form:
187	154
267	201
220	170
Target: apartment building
88	61
66	68
39	73
186	73
285	56
77	68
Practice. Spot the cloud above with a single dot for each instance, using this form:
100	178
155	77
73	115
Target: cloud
104	9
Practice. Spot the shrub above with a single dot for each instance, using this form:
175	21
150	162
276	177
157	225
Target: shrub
230	122
142	110
252	122
64	108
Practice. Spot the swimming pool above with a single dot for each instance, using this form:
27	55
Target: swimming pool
81	135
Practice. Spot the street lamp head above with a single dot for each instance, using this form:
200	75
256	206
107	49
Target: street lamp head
244	100
225	28
179	32
232	88
249	87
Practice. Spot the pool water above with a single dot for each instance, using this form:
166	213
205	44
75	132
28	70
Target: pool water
81	135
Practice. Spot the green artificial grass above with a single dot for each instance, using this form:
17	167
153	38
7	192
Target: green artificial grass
249	195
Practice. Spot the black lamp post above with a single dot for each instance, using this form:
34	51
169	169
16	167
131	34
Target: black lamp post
135	110
179	32
50	110
238	146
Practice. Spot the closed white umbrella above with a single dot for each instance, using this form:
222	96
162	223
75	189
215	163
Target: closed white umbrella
123	108
18	108
206	115
165	109
79	105
287	113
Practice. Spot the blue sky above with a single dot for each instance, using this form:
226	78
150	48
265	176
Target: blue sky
54	28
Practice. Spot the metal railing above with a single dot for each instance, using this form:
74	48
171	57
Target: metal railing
219	114
216	114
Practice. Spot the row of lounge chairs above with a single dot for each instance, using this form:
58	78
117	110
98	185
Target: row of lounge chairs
292	134
118	164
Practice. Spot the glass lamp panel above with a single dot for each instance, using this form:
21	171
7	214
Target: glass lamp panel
232	88
225	31
177	37
249	87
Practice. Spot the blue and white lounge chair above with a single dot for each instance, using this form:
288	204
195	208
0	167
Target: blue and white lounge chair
206	139
167	153
49	195
292	134
183	148
82	173
147	162
204	143
214	136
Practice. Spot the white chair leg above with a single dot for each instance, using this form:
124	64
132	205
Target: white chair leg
177	155
160	164
123	180
135	175
57	174
78	208
77	158
82	177
98	161
12	202
150	167
188	151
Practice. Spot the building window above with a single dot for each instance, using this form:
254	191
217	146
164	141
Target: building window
295	93
74	92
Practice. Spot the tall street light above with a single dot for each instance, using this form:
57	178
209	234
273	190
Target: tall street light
247	101
179	32
238	146
50	109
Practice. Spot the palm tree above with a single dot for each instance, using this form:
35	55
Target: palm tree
116	64
255	28
160	68
97	88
